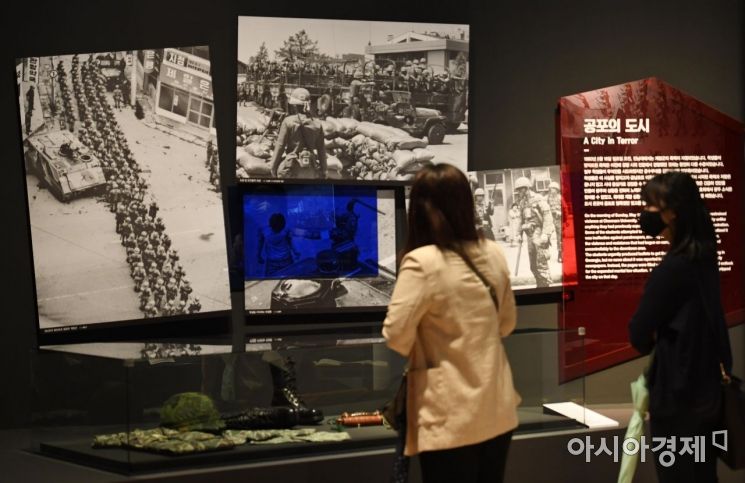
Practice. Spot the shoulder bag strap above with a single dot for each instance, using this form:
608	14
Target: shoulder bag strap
489	287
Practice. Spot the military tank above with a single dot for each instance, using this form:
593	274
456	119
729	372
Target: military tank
297	294
63	164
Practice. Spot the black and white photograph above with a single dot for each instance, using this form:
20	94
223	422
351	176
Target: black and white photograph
521	210
349	99
334	278
123	193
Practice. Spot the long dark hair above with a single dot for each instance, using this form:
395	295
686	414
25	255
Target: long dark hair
693	234
441	210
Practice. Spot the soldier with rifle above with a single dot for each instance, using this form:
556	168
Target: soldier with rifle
536	227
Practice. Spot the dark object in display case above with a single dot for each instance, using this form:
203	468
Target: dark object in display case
264	418
285	393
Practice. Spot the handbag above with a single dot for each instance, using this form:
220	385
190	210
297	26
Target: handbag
394	411
733	407
733	421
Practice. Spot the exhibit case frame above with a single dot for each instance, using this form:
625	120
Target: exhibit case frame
88	390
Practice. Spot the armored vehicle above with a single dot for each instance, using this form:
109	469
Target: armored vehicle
63	164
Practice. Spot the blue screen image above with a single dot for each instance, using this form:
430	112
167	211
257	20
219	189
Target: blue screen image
310	232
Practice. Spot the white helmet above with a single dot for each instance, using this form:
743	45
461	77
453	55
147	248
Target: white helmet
478	192
299	97
522	182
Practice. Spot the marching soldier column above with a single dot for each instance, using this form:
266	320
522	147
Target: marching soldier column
158	276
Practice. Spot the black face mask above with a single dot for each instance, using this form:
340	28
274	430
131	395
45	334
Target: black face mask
651	223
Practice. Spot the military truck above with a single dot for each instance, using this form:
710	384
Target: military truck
449	97
63	165
397	110
383	99
112	68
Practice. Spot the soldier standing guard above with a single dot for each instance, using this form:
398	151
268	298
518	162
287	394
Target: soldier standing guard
300	141
537	224
118	97
554	201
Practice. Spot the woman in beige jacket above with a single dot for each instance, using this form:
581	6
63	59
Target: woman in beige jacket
461	402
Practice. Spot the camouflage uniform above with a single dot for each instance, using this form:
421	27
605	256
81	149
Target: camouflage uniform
537	224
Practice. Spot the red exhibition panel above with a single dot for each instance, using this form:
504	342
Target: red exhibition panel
610	142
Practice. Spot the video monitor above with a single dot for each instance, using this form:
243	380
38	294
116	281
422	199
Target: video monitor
124	206
368	101
319	248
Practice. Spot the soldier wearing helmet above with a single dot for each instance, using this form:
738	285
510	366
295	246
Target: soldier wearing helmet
159	291
300	150
554	201
185	290
537	224
354	86
181	308
195	306
139	277
150	310
155	239
126	230
484	210
145	295
172	289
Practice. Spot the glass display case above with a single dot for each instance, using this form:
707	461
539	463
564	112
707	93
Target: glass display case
136	407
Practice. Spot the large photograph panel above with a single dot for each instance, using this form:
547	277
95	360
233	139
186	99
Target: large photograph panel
123	196
379	99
